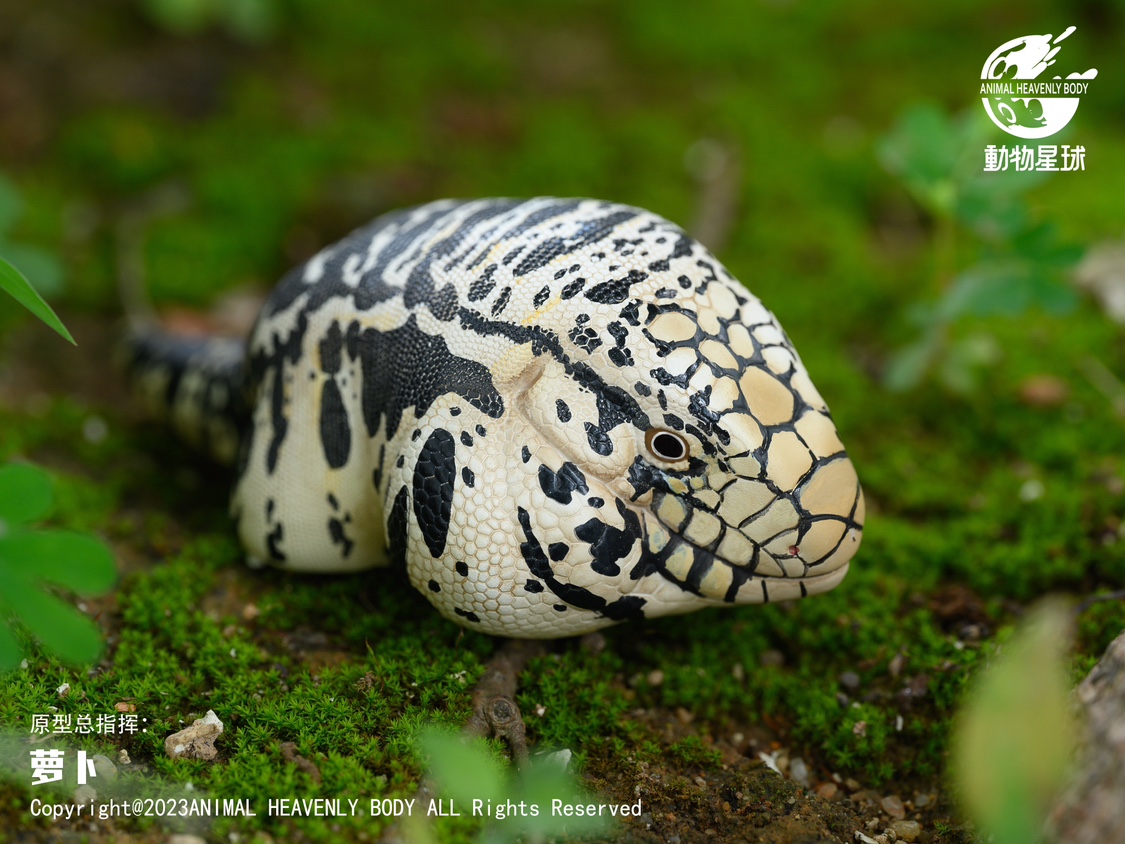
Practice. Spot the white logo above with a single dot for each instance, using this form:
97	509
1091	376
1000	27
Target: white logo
1021	106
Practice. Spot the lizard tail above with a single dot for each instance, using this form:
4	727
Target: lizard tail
196	383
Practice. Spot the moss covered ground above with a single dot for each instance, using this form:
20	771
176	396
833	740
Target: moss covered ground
225	155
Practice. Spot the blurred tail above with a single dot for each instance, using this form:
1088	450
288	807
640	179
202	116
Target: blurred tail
196	383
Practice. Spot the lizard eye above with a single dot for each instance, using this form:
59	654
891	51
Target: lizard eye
666	445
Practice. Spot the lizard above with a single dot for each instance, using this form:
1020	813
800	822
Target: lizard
556	414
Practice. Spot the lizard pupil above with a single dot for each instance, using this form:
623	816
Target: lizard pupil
666	445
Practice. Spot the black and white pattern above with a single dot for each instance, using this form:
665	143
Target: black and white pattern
558	414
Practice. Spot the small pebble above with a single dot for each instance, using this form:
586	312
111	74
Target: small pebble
906	830
849	680
123	757
921	801
63	690
799	771
827	790
84	794
655	678
892	805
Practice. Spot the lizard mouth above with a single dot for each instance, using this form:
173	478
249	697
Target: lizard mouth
762	577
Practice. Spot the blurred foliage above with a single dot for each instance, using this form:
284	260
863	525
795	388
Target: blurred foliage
249	20
1016	734
991	258
470	774
34	563
34	262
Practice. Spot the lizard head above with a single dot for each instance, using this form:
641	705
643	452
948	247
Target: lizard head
686	416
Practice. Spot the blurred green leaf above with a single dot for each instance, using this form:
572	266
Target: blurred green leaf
56	624
1006	288
1017	732
76	562
180	16
25	494
463	771
12	281
908	365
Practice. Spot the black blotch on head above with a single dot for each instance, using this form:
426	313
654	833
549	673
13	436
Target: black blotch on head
434	587
595	501
560	607
454	411
624	608
599	440
616	290
557	550
561	485
563	410
466	438
609	544
434	475
469	478
533	586
525	454
401	461
543	295
332	502
461	568
643	388
481	430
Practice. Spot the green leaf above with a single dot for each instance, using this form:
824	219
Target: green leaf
1007	288
74	561
20	288
1016	733
463	771
25	494
60	627
545	781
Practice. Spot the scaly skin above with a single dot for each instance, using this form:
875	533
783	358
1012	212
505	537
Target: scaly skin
493	393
